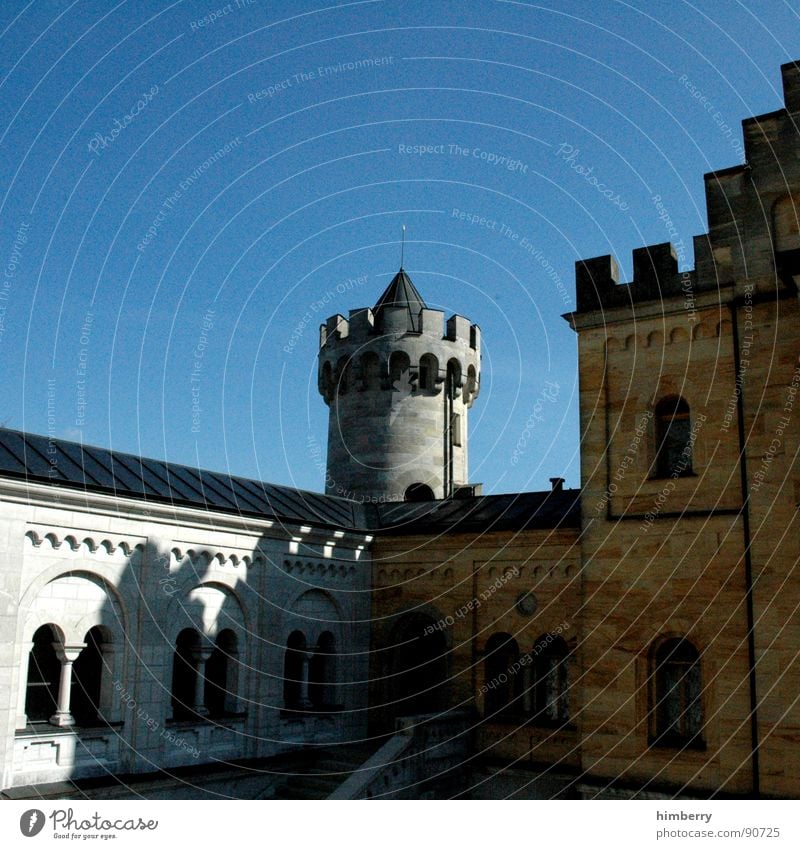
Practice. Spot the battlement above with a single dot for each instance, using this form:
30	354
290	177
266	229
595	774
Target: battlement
370	350
790	74
361	329
760	197
655	276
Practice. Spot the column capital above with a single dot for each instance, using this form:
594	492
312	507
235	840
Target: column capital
68	653
202	653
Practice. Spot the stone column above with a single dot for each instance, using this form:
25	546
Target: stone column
305	702
200	656
67	655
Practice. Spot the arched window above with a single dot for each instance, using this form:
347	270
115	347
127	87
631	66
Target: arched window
453	378
328	386
342	375
294	673
419	492
222	668
676	697
44	673
673	438
399	368
470	385
428	372
418	673
371	370
550	684
503	682
322	673
184	674
88	674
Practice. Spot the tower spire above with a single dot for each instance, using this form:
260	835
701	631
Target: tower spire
402	247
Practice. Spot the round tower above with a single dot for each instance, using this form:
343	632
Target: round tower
398	382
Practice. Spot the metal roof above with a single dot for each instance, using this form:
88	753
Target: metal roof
481	514
401	292
40	459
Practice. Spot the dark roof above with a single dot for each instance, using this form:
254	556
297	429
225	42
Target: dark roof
39	459
55	461
481	514
401	292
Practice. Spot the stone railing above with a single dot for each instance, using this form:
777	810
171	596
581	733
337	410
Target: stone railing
425	759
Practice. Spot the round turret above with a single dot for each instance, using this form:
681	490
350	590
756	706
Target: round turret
398	384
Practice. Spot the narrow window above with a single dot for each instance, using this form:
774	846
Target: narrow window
673	438
428	372
294	670
455	427
399	368
550	681
343	375
321	674
221	676
677	708
87	678
371	371
184	674
44	672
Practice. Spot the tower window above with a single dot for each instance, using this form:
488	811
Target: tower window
673	438
399	368
676	697
343	374
455	428
428	372
371	371
419	492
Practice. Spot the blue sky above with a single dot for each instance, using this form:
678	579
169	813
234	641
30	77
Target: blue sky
181	184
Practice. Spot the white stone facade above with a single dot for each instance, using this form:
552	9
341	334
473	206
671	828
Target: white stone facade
137	574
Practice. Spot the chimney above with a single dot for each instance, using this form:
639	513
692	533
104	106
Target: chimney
557	484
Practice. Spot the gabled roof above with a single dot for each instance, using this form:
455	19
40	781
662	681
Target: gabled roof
39	459
401	292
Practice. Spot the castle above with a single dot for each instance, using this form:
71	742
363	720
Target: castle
636	637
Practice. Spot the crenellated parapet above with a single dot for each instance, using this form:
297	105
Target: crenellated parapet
753	237
655	276
358	356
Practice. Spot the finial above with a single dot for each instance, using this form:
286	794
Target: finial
403	247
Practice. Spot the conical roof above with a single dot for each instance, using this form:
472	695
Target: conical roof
401	292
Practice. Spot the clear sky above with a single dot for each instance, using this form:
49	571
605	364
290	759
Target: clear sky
181	184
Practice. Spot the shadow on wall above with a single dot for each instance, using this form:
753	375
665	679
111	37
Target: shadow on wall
136	657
